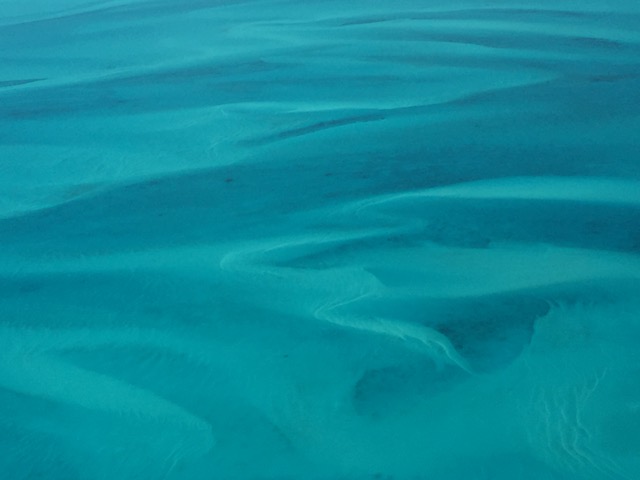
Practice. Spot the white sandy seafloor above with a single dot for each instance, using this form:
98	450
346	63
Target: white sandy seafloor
319	239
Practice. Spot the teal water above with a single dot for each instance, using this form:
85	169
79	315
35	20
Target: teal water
320	239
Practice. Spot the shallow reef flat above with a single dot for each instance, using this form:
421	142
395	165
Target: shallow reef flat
268	239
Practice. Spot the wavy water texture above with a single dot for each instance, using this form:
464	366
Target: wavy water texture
259	239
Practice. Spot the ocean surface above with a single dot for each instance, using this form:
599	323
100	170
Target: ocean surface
319	239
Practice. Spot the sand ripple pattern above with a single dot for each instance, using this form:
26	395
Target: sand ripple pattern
274	239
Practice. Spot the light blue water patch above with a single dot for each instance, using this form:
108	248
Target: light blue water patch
267	239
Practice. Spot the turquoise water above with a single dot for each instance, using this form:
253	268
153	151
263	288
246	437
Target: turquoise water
320	239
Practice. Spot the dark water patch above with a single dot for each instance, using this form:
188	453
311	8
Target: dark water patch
576	69
386	391
491	332
528	15
488	331
316	127
461	60
189	205
505	466
583	225
209	86
613	77
570	97
14	83
157	297
193	73
541	42
12	288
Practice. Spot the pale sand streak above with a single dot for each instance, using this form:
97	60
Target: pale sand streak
30	365
576	189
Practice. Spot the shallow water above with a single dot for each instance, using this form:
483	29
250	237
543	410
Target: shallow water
362	240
